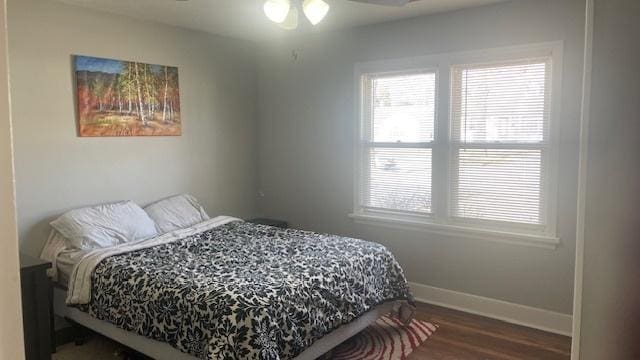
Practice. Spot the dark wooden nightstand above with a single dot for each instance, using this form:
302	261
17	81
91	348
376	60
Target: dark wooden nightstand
270	222
37	308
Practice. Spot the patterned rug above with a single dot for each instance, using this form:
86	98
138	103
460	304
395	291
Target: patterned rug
386	339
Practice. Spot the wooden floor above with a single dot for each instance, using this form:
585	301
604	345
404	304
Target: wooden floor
463	336
460	336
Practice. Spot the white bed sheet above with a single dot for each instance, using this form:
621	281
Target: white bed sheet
65	263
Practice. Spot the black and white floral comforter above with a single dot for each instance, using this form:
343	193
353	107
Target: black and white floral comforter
244	291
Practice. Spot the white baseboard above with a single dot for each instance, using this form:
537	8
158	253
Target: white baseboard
528	316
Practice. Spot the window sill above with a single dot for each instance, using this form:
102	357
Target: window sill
540	241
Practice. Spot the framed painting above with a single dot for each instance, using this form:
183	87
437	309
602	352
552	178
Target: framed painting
126	98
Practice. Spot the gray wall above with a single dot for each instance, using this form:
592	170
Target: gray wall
214	159
307	125
611	285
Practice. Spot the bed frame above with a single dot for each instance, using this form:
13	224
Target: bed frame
163	351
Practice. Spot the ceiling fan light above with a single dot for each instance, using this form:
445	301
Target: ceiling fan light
291	22
315	10
277	10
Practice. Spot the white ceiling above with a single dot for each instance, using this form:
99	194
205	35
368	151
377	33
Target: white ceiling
245	19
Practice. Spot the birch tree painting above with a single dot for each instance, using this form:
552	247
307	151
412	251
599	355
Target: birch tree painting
125	98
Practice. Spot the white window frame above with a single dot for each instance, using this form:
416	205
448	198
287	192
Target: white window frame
365	136
440	221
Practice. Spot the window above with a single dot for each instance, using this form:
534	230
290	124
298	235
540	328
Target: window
399	137
499	123
464	147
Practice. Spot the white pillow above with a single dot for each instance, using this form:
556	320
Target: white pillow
105	225
176	212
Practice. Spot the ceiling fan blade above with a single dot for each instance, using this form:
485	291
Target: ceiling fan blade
385	2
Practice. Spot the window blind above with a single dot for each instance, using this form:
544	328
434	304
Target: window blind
498	184
403	108
499	127
399	131
400	179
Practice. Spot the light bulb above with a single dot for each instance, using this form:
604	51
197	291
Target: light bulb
277	10
315	10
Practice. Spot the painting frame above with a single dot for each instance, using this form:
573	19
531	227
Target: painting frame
124	98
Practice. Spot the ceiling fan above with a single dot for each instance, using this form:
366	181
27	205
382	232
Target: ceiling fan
285	12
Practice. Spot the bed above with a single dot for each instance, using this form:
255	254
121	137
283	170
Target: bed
229	289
